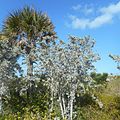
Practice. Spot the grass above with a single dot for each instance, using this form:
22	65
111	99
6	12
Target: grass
110	97
113	87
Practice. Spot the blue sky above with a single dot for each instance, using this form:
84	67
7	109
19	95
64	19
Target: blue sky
98	18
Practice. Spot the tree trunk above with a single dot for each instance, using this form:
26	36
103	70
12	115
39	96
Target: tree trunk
29	67
64	107
52	102
29	74
71	109
61	107
70	105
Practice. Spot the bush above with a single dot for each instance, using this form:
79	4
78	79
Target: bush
17	100
99	78
110	110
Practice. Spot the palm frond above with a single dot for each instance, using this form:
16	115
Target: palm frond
30	22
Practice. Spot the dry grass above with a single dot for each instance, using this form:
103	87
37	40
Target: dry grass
113	87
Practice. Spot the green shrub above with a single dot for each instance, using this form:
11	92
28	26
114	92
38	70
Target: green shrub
110	110
99	78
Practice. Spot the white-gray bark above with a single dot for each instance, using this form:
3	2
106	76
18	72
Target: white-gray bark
67	67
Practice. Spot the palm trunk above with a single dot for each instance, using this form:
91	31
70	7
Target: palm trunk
30	67
29	74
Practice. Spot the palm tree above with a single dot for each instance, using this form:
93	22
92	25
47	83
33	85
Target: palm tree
27	28
2	36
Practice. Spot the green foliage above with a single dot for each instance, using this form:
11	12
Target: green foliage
89	110
17	98
110	111
99	78
29	21
84	100
28	115
25	30
113	87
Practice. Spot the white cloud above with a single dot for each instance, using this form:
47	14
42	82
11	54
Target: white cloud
78	23
76	7
100	20
111	9
107	14
86	9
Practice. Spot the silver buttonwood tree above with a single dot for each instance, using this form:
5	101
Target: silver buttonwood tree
116	58
67	68
8	67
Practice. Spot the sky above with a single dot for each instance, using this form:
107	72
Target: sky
98	18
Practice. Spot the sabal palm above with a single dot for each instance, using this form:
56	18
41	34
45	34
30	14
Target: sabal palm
30	22
27	27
